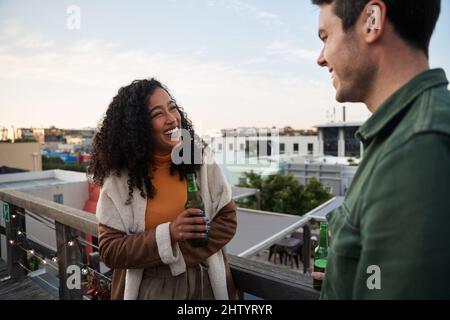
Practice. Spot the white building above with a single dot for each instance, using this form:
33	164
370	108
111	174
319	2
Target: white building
299	145
338	139
66	187
261	150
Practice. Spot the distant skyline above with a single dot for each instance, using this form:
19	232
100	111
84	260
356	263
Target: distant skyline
229	63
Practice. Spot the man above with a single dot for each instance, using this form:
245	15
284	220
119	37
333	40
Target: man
390	238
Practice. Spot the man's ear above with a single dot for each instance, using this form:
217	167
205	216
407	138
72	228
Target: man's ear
374	20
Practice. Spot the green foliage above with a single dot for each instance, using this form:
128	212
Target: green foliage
33	263
283	193
315	194
22	140
52	161
58	163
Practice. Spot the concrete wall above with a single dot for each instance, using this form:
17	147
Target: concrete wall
337	178
303	142
74	195
25	155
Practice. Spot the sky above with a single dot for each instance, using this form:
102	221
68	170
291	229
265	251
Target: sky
228	63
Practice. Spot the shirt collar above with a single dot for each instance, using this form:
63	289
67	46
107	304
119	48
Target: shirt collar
399	101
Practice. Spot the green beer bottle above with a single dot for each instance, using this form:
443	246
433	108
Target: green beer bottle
320	254
194	200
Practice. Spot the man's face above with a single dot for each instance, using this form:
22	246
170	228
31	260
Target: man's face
343	54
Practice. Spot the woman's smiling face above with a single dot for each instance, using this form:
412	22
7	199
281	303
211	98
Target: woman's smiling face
165	120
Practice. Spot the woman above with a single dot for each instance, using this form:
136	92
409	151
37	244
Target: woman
143	223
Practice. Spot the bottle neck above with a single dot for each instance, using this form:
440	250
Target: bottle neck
191	183
323	240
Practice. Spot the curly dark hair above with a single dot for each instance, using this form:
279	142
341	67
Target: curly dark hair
123	140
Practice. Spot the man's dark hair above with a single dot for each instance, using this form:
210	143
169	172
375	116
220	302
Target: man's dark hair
413	20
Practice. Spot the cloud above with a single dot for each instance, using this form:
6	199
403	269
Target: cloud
290	52
33	41
12	34
85	75
243	7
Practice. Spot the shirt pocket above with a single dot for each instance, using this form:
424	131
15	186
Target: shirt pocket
345	236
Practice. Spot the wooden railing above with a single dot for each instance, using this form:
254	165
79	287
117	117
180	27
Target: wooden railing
258	279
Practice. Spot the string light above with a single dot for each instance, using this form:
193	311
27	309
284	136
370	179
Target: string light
55	259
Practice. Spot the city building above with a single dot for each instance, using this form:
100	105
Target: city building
21	155
338	139
261	150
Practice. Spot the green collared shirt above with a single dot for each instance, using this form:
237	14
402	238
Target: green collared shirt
391	237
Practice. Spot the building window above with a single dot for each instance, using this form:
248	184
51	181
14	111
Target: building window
241	147
58	198
220	146
295	147
230	146
282	148
330	141
310	148
352	145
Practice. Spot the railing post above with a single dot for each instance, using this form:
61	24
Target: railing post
68	255
15	222
94	260
306	247
258	200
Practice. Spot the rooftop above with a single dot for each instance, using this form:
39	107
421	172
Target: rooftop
35	179
340	124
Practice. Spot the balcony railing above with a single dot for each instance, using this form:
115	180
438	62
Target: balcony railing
72	251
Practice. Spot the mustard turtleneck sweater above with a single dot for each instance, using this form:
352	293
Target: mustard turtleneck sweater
171	194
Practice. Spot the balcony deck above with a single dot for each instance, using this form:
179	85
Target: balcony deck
25	289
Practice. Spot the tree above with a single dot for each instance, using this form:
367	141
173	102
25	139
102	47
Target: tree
283	193
249	180
315	194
